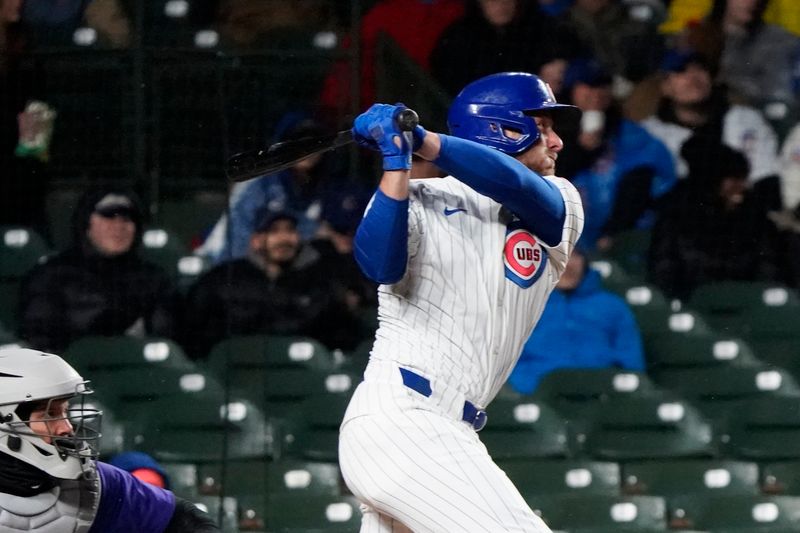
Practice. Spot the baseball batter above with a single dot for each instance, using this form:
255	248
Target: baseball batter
466	264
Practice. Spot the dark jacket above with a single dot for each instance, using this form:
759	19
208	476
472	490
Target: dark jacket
80	292
237	298
696	240
471	48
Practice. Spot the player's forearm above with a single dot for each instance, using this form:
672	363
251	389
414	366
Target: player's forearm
381	242
394	184
535	200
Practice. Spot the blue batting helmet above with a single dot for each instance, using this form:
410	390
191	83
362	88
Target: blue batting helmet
508	100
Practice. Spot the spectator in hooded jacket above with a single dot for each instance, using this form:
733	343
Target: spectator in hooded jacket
712	228
99	285
582	326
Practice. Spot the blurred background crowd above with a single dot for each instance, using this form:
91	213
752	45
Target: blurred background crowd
117	117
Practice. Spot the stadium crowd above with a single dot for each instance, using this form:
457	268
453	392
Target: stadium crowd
687	159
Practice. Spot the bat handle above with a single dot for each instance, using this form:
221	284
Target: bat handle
407	119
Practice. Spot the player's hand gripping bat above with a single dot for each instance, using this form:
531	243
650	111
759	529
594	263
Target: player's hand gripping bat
279	156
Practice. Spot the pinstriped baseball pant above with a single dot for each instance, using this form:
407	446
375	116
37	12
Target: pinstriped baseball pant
419	470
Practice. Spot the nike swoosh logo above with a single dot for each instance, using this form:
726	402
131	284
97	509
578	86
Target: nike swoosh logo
448	211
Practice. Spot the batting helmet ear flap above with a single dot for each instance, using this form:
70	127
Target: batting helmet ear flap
485	108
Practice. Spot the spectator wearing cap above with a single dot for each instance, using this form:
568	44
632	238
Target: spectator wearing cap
692	105
582	326
283	286
99	285
620	170
712	228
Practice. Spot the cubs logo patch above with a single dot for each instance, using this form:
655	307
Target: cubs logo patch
524	257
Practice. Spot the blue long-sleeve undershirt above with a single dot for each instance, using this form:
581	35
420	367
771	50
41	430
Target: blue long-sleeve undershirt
536	201
381	241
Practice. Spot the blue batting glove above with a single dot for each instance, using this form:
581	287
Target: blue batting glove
377	127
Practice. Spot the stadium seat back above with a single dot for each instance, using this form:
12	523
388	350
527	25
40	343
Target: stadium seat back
525	428
680	477
650	427
595	512
568	476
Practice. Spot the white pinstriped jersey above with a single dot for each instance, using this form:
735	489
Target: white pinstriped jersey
474	287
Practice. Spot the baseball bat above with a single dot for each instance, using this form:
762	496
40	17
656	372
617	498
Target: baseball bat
280	156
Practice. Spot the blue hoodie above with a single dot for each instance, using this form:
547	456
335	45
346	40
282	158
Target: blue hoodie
585	328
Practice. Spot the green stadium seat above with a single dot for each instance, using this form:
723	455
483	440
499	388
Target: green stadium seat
781	477
774	335
601	513
656	427
216	507
525	428
576	393
21	248
92	353
133	388
183	479
736	513
160	245
671	325
312	432
562	476
288	513
629	249
766	429
650	308
726	305
615	278
304	478
676	478
243	479
192	214
269	351
701	350
188	270
203	429
277	391
720	391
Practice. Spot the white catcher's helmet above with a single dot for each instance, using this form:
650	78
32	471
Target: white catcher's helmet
33	376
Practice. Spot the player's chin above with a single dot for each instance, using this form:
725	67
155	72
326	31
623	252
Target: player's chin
548	168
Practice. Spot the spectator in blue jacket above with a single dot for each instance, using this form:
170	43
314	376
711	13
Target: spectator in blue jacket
620	170
582	326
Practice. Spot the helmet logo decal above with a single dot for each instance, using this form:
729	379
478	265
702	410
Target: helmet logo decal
524	258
